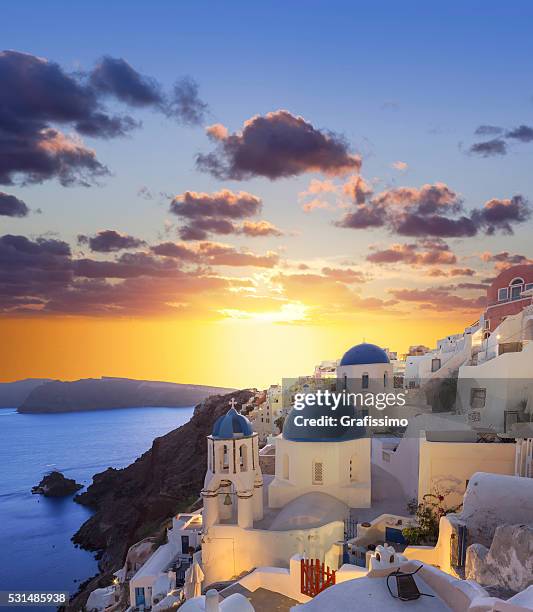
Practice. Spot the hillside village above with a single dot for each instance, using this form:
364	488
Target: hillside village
289	518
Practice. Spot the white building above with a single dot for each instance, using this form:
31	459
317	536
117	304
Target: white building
164	568
496	389
450	354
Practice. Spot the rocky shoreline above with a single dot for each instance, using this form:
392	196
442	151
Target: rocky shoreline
132	503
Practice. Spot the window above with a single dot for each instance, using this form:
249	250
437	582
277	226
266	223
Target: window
184	544
516	291
364	381
477	398
385	379
487	323
528	287
243	458
225	459
502	294
318	476
435	365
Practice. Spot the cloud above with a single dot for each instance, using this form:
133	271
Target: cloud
357	189
217	213
489	148
216	253
314	204
439	298
504	259
217	131
400	166
107	241
344	275
185	104
435	211
501	214
278	145
128	265
10	206
524	133
488	130
225	255
224	203
42	276
498	146
31	270
115	77
260	228
38	98
420	254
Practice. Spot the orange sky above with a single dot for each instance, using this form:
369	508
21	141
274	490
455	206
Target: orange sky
229	352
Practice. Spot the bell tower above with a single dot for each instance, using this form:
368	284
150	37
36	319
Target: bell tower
233	486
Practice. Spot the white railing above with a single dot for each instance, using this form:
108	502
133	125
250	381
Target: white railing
524	457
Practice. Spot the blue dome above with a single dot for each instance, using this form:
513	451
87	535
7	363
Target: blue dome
364	354
324	433
232	425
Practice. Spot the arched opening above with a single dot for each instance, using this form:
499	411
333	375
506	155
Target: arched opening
364	381
318	472
224	459
243	458
285	467
515	288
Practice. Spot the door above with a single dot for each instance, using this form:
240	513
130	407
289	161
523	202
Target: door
139	597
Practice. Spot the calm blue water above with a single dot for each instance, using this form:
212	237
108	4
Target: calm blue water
35	548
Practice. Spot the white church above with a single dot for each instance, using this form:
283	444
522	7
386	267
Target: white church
253	520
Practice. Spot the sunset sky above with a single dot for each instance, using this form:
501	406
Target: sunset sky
229	193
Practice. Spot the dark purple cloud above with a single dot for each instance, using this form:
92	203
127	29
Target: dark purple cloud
277	145
128	265
10	206
38	97
41	276
107	241
502	214
224	203
524	133
115	77
217	213
434	211
489	148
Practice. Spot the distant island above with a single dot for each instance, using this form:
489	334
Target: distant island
13	394
108	393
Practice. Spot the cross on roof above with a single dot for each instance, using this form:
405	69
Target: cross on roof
233	403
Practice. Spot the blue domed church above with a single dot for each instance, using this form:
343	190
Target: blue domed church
335	458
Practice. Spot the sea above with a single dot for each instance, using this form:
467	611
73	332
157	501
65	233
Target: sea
36	553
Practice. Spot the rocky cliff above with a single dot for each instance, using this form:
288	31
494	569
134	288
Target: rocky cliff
108	393
131	503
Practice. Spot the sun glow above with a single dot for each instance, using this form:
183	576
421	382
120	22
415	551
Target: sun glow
288	313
